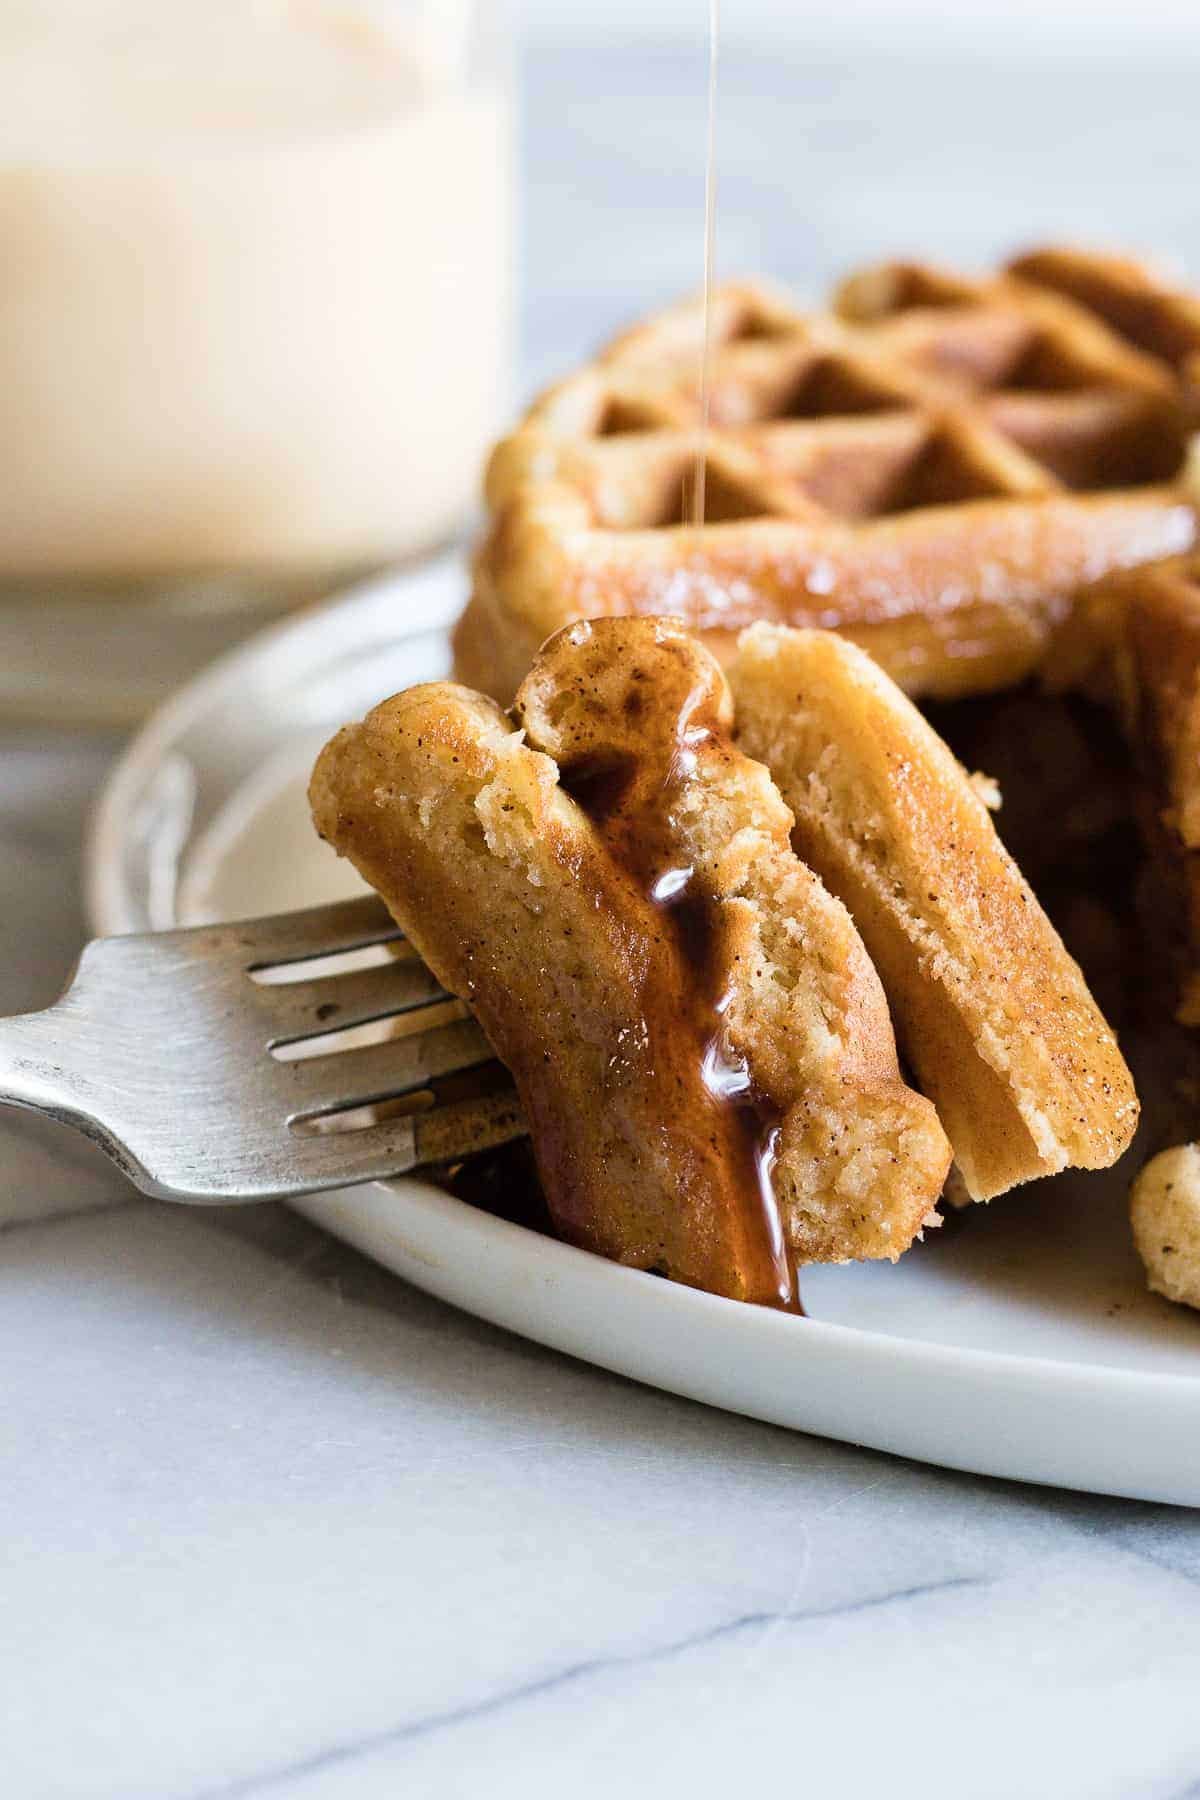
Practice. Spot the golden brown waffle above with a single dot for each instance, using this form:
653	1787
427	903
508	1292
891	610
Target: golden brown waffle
701	1043
993	1015
932	468
668	957
1144	308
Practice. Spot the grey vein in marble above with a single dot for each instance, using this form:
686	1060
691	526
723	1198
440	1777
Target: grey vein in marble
328	1759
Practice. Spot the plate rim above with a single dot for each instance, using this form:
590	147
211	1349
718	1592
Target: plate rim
109	908
1033	1391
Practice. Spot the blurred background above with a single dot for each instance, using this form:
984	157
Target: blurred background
277	271
844	132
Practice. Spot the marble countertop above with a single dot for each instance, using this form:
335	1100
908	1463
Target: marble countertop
272	1523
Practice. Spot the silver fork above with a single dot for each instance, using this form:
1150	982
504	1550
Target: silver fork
208	1074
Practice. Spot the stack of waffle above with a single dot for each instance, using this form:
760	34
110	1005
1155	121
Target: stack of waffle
689	906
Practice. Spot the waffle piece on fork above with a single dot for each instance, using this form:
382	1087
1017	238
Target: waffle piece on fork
702	1047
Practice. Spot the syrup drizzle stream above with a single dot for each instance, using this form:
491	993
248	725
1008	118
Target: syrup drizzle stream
710	233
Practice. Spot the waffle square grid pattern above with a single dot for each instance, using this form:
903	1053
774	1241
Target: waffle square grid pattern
934	466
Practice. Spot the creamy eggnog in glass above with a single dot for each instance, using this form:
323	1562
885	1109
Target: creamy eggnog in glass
254	303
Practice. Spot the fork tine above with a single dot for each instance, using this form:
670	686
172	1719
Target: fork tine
330	1083
463	1127
159	1053
395	1146
300	1009
316	931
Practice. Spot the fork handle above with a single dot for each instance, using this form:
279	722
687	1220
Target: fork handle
37	1075
31	1068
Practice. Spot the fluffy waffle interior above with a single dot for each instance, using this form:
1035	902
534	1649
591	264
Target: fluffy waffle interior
699	1037
933	467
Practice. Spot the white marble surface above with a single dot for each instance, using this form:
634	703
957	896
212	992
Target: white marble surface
271	1523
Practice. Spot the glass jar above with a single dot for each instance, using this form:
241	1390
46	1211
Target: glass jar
255	318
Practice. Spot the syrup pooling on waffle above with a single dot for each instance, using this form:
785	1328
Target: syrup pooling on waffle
934	468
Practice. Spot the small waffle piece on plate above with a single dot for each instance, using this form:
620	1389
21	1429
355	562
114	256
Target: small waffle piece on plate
1164	1209
933	468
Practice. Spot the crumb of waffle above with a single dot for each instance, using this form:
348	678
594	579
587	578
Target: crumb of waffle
1164	1210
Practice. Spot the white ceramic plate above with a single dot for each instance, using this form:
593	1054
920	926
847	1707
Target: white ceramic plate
1019	1341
